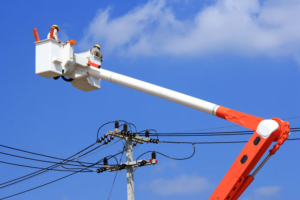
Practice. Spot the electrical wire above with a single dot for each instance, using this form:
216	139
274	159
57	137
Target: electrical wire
20	165
39	172
33	159
31	175
38	154
221	127
39	186
227	142
51	181
116	175
101	149
193	145
232	133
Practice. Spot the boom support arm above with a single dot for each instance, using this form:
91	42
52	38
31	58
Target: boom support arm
237	178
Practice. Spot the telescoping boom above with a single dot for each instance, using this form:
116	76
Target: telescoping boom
54	59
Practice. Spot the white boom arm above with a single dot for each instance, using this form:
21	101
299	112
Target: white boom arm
152	89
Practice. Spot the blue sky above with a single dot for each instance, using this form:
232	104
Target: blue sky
242	55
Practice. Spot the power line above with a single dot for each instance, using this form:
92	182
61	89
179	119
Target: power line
170	156
221	127
55	180
43	155
39	172
20	165
226	142
39	186
36	159
116	174
231	133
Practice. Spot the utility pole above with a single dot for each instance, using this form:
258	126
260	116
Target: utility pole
129	137
129	158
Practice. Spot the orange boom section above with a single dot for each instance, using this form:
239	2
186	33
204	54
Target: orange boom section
248	121
237	178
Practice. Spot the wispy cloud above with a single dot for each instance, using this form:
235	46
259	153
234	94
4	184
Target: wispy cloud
165	165
184	184
267	191
264	193
245	27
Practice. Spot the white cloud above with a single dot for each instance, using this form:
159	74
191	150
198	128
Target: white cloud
264	193
184	184
267	191
245	27
165	165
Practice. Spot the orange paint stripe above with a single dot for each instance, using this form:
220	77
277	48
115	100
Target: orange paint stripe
93	64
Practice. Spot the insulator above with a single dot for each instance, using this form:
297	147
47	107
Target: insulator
156	141
105	135
105	142
117	124
151	140
134	144
154	155
103	169
128	133
102	138
125	127
134	134
147	133
98	170
112	137
108	140
143	162
99	140
105	162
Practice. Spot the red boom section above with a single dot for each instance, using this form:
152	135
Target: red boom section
249	121
237	178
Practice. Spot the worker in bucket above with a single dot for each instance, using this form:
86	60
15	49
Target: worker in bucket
56	30
96	51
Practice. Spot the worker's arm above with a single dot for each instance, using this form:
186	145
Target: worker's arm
101	57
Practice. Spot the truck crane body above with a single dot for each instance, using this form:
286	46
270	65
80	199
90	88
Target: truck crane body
56	59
